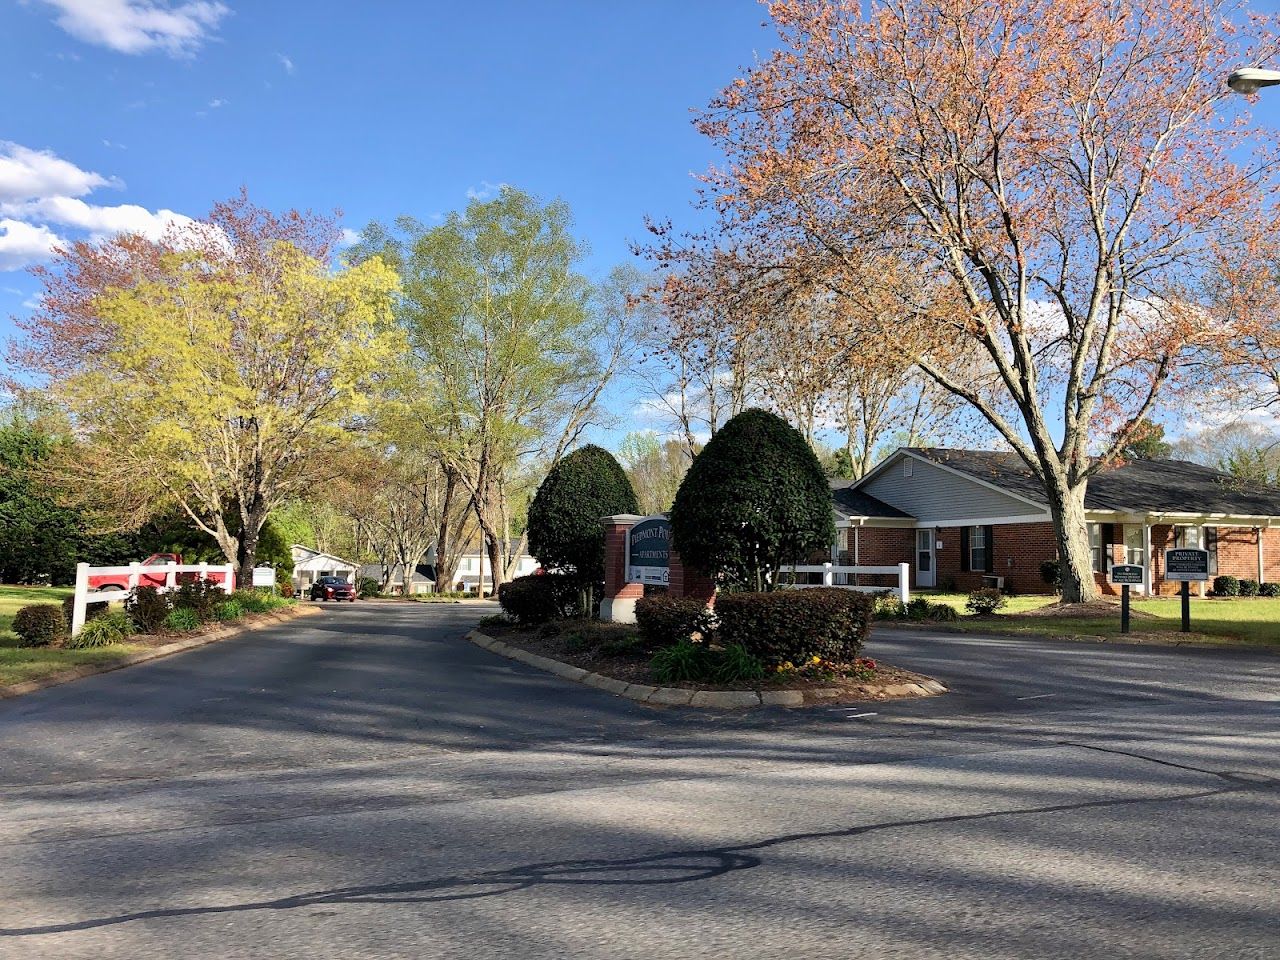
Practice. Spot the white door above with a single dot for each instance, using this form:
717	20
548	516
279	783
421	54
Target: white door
924	558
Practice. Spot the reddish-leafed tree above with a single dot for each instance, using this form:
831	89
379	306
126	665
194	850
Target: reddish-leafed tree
1061	175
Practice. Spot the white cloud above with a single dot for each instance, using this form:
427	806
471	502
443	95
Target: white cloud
140	26
285	62
101	221
217	102
40	191
27	174
349	237
24	244
485	190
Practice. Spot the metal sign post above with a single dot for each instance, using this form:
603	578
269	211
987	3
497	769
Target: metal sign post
1125	574
1186	564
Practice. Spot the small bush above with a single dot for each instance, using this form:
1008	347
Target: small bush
666	620
889	607
1269	589
228	610
681	662
112	627
147	608
286	589
538	599
1051	573
39	624
367	587
796	625
1249	588
198	596
579	642
1226	586
181	620
494	620
91	610
630	645
984	601
917	608
736	664
942	613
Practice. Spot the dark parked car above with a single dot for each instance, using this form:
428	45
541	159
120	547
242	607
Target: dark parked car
333	588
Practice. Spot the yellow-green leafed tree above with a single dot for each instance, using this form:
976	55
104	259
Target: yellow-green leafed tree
223	378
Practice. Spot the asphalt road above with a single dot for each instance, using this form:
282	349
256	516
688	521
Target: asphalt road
367	784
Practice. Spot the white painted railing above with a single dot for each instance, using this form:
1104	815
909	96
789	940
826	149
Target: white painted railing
830	571
132	575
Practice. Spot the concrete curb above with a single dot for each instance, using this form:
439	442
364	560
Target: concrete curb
684	697
260	621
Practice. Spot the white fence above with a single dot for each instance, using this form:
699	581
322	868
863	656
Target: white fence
830	571
163	577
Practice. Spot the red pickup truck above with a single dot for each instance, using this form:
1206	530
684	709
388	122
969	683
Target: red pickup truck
155	578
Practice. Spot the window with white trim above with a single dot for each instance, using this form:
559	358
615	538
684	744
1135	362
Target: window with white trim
1097	548
978	548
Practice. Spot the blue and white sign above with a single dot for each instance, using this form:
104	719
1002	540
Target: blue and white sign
649	551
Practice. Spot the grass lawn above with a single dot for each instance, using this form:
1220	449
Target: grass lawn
1251	620
30	663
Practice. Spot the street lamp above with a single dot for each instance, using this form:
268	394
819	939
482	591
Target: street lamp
1250	79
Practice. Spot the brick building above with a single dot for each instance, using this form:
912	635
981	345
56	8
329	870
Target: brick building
964	518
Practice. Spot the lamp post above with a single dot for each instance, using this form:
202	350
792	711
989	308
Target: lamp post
1251	79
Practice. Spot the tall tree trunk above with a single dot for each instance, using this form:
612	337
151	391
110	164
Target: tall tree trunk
488	511
247	550
444	537
1071	529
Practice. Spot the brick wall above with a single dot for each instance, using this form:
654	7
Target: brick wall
880	547
686	582
1018	549
615	563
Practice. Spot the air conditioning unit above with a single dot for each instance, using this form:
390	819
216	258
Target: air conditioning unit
996	583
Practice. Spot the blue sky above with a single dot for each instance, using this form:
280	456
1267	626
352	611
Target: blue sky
123	113
376	108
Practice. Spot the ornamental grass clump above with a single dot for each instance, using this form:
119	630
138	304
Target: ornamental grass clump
114	626
182	620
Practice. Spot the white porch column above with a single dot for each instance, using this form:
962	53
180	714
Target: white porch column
1262	567
1147	576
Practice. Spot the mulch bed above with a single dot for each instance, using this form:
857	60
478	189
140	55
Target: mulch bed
585	644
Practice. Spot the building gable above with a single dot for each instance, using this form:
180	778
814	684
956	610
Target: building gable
935	494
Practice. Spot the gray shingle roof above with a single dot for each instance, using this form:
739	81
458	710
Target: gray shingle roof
1138	486
848	502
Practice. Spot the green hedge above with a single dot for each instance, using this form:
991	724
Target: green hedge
1225	586
538	598
666	620
796	625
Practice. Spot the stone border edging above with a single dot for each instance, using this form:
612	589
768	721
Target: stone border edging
267	619
684	697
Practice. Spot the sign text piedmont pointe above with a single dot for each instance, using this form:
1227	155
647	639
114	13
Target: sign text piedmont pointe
1186	563
649	551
